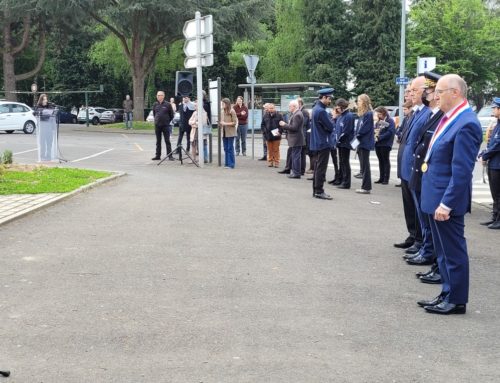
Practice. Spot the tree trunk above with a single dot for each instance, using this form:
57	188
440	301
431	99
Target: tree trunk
138	83
9	75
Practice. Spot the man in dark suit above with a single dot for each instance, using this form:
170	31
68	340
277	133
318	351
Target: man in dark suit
419	118
295	137
447	191
186	110
425	255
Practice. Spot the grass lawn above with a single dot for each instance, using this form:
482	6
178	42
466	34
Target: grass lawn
46	180
138	125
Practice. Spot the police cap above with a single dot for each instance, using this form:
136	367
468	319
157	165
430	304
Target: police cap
328	92
431	79
496	102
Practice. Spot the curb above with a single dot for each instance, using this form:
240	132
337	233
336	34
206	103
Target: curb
59	197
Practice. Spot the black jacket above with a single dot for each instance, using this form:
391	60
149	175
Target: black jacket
163	113
269	123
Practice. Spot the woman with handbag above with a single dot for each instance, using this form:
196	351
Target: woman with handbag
193	138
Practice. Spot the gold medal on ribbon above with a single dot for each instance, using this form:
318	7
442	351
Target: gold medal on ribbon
424	167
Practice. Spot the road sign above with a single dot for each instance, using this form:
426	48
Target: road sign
251	62
206	60
206	24
425	64
402	80
207	46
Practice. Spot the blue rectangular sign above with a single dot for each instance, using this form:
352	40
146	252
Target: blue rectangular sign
402	80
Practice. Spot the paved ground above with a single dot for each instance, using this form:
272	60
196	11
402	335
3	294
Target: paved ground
176	274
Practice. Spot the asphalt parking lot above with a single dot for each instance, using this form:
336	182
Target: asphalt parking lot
179	274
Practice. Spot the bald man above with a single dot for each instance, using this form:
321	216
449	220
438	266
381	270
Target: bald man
447	191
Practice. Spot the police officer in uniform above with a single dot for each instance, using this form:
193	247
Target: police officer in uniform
491	156
321	130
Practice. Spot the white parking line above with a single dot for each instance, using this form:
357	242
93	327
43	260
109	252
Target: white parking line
26	151
93	155
124	136
139	147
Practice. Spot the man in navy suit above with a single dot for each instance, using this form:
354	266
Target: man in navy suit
420	116
447	191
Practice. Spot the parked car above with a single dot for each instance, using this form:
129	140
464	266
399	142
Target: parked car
485	116
94	114
107	117
65	116
16	116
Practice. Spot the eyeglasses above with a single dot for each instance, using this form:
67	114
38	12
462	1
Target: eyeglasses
441	91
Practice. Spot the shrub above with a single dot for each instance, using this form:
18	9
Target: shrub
6	157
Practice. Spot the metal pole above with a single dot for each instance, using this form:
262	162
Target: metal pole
252	86
87	108
199	86
219	133
402	59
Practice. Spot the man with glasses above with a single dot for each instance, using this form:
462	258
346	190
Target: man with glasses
447	191
321	129
419	118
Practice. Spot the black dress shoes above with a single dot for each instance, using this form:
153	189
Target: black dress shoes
434	269
284	171
446	308
343	187
378	182
487	223
432	302
410	256
404	245
419	260
157	158
495	225
322	196
310	178
359	176
433	278
294	177
335	182
414	249
263	158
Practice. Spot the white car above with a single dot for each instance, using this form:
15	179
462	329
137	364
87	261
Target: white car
94	114
16	116
108	116
485	117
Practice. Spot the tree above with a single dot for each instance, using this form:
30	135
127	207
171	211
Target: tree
327	38
463	37
20	22
374	53
144	27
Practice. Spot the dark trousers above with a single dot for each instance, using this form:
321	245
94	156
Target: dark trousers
303	160
296	160
427	249
187	132
453	261
364	160
159	130
410	211
333	153
345	166
288	165
320	166
384	163
494	178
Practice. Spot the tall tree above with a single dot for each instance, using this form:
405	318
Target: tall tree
144	27
375	48
327	38
463	36
22	24
284	59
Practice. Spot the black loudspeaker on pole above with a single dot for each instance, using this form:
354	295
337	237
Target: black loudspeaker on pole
183	83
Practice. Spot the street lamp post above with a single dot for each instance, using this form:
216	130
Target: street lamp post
402	59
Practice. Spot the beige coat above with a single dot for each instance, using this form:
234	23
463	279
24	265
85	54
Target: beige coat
230	131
